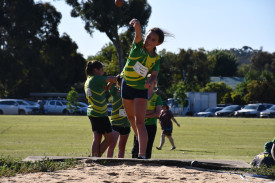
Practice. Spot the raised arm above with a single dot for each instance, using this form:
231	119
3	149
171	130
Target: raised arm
136	24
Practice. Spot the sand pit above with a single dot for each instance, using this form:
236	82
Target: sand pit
125	172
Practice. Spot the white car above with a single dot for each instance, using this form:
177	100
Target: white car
56	106
15	106
81	108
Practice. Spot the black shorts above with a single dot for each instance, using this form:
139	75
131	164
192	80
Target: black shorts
167	130
121	130
130	93
101	125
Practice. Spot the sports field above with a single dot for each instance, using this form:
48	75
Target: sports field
197	138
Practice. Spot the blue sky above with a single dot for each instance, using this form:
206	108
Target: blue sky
208	24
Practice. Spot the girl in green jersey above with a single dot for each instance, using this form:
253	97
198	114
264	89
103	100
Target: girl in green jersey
142	60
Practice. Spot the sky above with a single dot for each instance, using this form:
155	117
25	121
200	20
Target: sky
208	24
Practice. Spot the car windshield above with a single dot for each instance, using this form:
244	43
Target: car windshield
21	103
64	102
250	107
210	110
230	108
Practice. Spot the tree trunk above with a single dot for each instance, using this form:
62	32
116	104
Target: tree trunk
119	54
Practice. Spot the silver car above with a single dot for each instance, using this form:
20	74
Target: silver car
252	110
268	113
15	106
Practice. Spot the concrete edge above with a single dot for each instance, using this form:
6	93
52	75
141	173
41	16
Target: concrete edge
207	164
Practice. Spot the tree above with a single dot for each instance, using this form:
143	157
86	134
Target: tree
23	24
72	98
263	61
106	17
180	93
221	88
226	63
260	91
33	58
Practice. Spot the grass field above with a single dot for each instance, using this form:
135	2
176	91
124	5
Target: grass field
197	138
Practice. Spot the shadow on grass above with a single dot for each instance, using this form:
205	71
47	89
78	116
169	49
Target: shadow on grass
192	151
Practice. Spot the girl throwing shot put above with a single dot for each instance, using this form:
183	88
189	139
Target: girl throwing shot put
142	60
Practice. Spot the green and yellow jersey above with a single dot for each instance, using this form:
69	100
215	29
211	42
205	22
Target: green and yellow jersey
116	118
152	103
139	54
95	93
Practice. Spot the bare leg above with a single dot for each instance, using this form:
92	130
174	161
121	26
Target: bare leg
162	140
96	145
171	141
140	111
130	111
121	145
112	146
106	142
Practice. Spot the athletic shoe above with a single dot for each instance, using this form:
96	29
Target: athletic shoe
158	148
141	157
173	148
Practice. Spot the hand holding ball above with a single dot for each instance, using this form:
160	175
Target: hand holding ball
119	3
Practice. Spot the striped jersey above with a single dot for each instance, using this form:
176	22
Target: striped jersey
95	93
139	54
152	103
116	119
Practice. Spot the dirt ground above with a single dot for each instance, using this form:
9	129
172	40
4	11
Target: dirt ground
129	172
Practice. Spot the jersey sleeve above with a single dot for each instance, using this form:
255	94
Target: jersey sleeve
136	48
99	81
113	90
159	101
156	66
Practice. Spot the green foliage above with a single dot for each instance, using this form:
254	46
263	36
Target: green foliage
226	63
223	91
237	98
72	98
260	91
106	17
263	170
180	92
263	61
11	167
33	57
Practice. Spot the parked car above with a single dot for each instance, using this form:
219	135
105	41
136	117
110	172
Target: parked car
252	110
210	112
81	108
34	105
268	113
56	106
228	110
15	106
8	107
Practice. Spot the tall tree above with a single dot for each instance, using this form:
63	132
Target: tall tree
32	55
104	16
226	63
264	61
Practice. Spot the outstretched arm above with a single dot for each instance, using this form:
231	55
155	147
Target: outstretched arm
136	24
175	121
